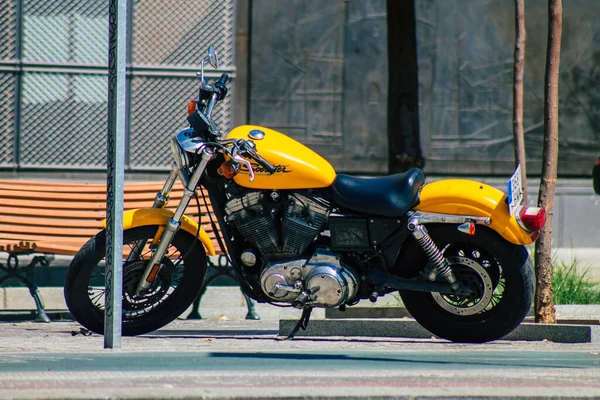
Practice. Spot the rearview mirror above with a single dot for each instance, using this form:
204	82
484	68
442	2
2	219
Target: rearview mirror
213	58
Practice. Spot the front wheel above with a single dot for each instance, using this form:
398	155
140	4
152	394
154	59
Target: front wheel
173	290
499	274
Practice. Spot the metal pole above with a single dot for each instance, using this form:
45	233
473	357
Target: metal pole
117	33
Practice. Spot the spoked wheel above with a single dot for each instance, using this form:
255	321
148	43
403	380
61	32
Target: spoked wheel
173	290
498	274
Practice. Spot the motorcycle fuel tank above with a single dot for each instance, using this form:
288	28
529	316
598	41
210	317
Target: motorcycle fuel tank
297	166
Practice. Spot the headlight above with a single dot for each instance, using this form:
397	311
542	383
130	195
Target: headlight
179	155
189	141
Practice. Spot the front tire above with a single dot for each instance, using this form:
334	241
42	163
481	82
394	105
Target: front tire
174	289
500	272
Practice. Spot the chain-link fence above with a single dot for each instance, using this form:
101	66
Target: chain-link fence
53	82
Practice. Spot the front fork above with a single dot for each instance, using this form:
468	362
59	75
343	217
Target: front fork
190	185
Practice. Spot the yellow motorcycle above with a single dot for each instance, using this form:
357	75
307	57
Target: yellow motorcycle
300	235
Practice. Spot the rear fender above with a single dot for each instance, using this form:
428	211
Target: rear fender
160	217
464	197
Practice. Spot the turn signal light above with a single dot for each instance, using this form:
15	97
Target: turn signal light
192	107
532	218
228	169
468	228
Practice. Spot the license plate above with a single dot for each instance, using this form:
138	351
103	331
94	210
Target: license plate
515	191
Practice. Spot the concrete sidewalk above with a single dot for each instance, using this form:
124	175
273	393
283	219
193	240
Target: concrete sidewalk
242	359
225	356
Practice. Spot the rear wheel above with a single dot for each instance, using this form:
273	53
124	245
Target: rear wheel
499	274
173	290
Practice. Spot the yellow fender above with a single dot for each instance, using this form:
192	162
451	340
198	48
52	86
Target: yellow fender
464	197
158	216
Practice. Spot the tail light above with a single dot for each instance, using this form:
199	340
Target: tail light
532	218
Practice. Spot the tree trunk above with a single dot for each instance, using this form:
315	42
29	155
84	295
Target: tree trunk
519	66
544	306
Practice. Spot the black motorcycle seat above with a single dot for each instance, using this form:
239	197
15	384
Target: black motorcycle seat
389	196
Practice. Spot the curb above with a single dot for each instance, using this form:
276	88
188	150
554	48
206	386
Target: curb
31	315
409	328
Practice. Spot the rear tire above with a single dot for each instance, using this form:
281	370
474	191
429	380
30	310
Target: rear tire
501	272
175	288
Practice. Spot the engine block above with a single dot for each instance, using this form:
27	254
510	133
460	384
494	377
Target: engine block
321	281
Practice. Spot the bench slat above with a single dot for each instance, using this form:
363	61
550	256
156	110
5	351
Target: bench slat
77	205
44	187
34	222
48	231
51	196
49	212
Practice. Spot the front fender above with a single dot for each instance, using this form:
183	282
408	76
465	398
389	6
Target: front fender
464	197
159	216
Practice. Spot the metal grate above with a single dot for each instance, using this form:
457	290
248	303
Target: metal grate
63	115
63	91
159	109
73	31
63	120
7	117
177	32
8	29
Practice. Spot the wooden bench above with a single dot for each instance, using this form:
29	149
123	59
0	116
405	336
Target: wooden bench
44	219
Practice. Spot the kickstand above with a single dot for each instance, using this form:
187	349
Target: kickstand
302	323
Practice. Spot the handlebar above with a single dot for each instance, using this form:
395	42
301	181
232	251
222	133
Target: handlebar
261	161
221	87
247	148
223	79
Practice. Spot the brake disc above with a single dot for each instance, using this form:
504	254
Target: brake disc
474	276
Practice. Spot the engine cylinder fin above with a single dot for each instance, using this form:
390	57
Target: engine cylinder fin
256	225
302	222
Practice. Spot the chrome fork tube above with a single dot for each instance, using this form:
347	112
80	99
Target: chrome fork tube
162	197
161	200
174	223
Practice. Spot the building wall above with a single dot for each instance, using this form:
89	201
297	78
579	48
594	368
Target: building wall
319	73
465	59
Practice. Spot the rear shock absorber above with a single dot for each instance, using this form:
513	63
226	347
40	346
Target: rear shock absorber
439	262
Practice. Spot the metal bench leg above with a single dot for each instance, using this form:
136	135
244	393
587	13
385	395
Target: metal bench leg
39	304
12	271
195	313
213	272
251	311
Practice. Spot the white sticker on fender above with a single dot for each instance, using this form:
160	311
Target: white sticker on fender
515	191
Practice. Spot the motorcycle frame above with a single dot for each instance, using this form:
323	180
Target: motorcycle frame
384	281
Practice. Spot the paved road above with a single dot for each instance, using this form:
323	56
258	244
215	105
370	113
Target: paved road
243	359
